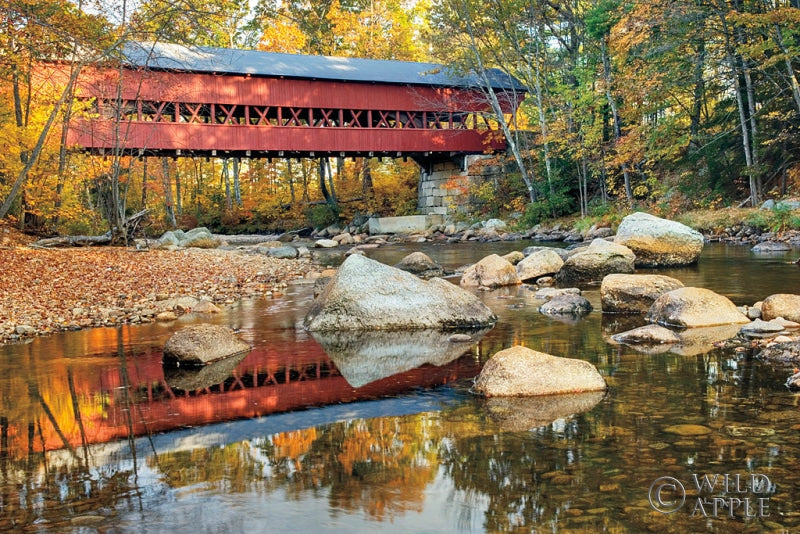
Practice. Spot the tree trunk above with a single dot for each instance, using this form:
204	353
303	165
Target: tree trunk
144	182
697	95
237	191
617	126
227	181
323	187
755	192
62	163
37	149
331	187
304	175
178	193
291	179
366	180
168	206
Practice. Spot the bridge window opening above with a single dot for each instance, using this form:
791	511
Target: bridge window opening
352	118
224	114
294	116
259	116
192	113
324	118
156	111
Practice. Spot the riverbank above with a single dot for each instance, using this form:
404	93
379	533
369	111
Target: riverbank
43	291
50	290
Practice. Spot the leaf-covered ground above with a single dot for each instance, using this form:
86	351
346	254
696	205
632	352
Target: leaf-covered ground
44	291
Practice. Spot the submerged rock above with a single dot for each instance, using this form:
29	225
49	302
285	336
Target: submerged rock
522	372
368	295
567	304
649	335
771	246
194	378
688	430
201	344
759	327
659	242
782	352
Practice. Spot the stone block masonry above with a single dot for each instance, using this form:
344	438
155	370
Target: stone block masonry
446	188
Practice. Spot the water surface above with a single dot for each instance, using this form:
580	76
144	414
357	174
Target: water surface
95	436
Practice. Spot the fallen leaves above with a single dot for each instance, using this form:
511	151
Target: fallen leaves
43	291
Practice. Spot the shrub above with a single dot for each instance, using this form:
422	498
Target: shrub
322	215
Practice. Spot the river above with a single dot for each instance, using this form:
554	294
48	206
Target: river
96	437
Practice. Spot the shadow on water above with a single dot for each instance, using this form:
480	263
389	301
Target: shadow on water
349	433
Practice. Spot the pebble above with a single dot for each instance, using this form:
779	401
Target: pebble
688	430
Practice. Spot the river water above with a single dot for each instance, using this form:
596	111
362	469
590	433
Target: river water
381	433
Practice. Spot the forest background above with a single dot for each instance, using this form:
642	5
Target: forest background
671	106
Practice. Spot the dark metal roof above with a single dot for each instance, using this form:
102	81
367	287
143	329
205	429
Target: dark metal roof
170	56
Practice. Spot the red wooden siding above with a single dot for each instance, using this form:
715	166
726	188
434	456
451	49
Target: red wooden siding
164	112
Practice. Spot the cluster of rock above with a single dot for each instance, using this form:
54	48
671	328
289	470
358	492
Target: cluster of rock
197	237
366	300
688	319
644	241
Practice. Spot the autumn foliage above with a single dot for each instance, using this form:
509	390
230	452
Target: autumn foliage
638	103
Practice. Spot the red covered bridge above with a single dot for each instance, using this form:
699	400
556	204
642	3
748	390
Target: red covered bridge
170	100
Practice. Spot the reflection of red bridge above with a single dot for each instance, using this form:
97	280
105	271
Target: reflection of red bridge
138	399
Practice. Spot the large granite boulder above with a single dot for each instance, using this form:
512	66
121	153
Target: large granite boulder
491	272
540	263
522	372
366	294
634	293
784	305
201	344
693	307
593	263
659	242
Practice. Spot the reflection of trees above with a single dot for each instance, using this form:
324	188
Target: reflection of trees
530	478
49	488
381	466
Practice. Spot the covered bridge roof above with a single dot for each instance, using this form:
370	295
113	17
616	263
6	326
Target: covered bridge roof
168	56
